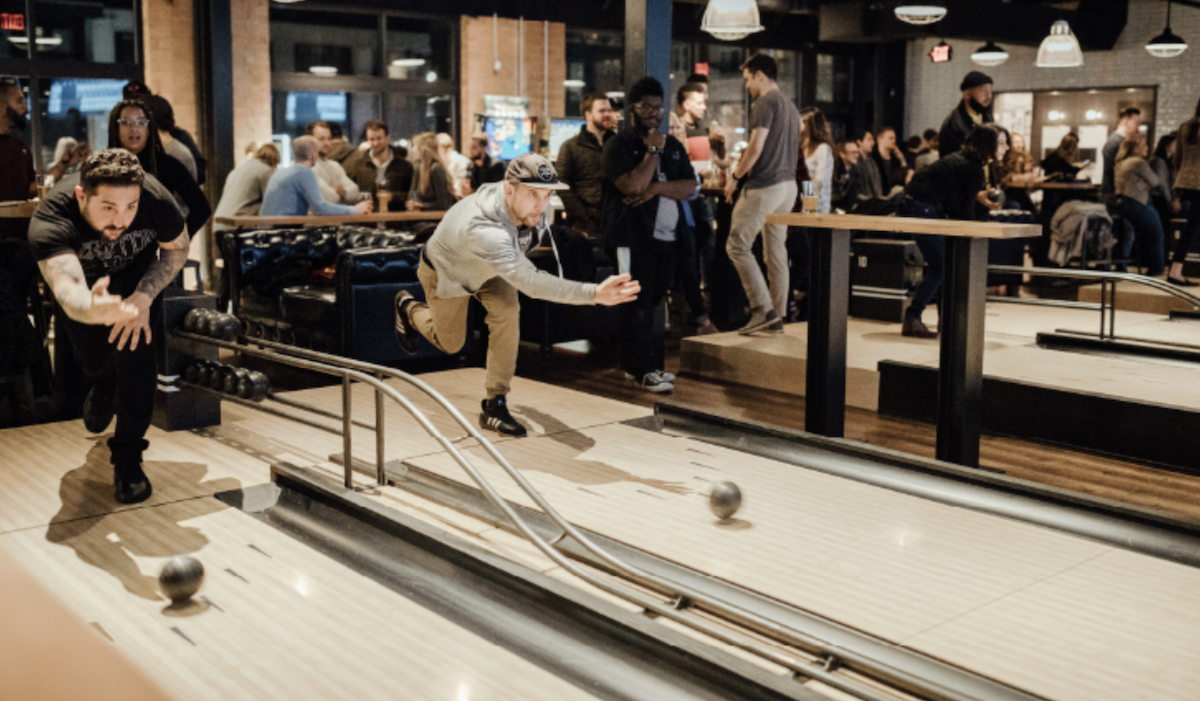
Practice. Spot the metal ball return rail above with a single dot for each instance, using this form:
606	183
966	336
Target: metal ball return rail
831	663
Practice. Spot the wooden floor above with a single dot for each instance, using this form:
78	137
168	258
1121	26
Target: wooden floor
976	590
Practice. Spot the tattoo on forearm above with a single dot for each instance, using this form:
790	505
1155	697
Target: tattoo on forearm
66	279
162	271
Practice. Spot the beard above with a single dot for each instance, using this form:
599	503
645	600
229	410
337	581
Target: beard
15	119
979	108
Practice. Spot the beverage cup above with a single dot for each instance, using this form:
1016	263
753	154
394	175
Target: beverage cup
44	183
385	198
810	199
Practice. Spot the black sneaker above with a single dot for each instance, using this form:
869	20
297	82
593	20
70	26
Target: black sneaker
98	407
130	484
495	416
405	334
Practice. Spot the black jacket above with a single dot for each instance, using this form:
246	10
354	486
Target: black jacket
581	166
634	226
955	129
176	178
400	173
952	184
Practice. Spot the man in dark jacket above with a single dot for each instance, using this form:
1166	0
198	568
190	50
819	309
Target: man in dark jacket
974	109
579	164
381	166
646	176
484	169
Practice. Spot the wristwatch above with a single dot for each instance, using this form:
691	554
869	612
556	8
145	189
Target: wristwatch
654	150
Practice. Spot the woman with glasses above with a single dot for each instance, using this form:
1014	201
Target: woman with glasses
130	127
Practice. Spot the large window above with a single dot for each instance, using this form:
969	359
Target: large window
594	63
352	67
76	109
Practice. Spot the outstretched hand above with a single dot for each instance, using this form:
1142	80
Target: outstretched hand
130	330
617	289
110	309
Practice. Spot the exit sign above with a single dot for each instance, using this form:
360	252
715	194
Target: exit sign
940	53
11	22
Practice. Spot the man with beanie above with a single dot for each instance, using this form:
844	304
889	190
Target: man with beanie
478	250
974	109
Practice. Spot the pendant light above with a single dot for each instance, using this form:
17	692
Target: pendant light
1060	49
1166	45
919	14
989	55
730	20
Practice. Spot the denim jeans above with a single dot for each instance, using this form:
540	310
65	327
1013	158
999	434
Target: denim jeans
1148	230
932	247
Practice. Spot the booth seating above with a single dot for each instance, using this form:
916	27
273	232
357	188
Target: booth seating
331	289
547	323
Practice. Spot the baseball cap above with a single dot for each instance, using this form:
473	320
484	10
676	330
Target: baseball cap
531	170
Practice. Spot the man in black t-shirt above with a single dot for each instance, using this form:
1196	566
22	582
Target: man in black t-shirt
108	240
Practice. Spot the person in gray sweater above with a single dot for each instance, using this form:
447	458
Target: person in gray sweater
478	250
1133	180
245	186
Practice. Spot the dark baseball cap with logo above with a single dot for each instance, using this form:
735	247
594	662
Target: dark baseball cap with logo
531	170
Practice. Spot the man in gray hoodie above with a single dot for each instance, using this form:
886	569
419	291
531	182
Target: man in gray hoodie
478	251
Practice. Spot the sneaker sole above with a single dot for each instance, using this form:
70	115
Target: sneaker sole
402	330
758	327
660	388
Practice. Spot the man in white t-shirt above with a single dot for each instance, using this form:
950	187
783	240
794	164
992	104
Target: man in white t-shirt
336	186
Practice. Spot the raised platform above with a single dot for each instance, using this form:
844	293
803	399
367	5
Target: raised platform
1134	408
1133	297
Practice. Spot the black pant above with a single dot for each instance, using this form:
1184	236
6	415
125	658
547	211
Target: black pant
134	375
652	264
688	262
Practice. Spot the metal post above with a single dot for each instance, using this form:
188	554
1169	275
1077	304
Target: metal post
829	298
960	371
347	427
1102	308
648	43
380	475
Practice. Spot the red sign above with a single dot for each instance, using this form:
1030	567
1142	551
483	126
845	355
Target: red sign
701	69
940	53
13	23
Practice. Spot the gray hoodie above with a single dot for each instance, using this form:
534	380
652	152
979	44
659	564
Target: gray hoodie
477	241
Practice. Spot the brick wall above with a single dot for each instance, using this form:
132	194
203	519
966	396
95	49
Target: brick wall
251	75
478	77
933	88
170	56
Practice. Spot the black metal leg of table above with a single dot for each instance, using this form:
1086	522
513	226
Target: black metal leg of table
829	298
960	374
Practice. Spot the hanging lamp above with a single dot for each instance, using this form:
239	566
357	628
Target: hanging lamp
730	20
1060	49
1166	45
920	14
989	55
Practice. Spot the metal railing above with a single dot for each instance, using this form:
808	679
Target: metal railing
679	597
1108	294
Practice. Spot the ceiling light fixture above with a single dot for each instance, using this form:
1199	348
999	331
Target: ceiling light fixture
1060	49
408	62
323	71
730	20
920	14
989	55
571	83
1166	45
42	43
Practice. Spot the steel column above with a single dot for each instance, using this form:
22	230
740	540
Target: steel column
828	303
960	372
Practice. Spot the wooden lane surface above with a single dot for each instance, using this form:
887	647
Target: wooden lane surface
906	225
330	219
18	210
40	633
926	575
282	621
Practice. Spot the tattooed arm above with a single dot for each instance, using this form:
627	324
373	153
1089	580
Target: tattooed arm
64	274
171	257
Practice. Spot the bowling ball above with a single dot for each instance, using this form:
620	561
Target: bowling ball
725	500
225	327
181	578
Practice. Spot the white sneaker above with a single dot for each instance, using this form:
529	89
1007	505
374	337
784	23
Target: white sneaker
668	376
656	381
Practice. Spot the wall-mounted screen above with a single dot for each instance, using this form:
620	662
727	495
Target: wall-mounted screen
509	137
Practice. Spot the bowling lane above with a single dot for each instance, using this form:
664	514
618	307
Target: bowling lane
283	622
941	579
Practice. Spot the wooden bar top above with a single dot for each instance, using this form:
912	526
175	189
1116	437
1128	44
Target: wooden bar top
905	225
330	219
18	210
1073	185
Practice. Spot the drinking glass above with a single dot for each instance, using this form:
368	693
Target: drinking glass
44	183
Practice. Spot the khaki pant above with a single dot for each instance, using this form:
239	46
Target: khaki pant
749	218
443	321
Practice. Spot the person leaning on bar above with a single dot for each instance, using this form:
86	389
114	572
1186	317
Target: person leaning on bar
948	189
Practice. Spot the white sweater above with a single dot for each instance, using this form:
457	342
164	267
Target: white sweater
820	168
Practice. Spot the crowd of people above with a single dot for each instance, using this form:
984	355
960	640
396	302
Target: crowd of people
650	199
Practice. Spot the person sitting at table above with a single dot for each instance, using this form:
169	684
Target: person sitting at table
1063	164
380	166
294	191
336	186
246	185
432	189
947	189
1133	179
132	127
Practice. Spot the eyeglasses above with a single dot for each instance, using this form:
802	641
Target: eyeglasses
140	123
646	108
